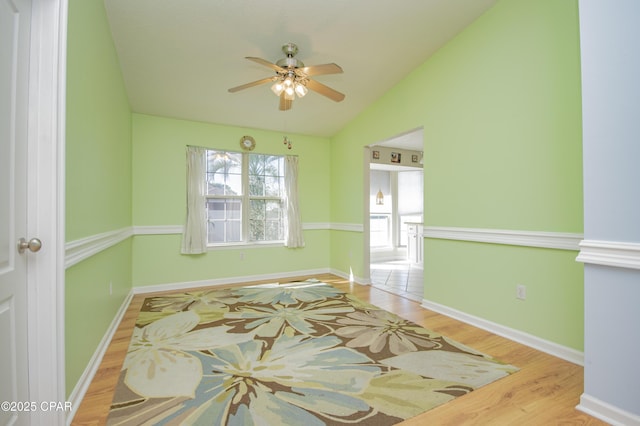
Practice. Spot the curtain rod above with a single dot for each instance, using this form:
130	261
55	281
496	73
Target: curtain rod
240	152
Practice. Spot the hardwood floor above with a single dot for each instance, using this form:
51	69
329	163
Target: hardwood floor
544	392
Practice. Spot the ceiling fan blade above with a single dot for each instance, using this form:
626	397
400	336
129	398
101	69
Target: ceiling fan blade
253	83
267	64
285	104
325	90
321	69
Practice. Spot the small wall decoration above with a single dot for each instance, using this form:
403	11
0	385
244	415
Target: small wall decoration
395	157
376	155
414	158
247	143
287	142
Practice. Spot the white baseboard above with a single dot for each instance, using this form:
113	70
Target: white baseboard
607	412
551	348
224	281
350	277
247	278
80	389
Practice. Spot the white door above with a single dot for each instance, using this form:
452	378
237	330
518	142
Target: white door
15	17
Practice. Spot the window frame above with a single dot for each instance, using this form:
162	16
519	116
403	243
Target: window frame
245	203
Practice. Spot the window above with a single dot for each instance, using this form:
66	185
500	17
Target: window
244	197
379	229
410	200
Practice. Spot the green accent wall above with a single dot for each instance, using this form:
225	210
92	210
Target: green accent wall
500	106
159	194
98	181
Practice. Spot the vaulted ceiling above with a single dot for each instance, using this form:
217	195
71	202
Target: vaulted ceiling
178	58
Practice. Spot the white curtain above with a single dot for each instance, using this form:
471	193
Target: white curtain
194	237
293	226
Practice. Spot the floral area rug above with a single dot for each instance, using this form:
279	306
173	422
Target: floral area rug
302	353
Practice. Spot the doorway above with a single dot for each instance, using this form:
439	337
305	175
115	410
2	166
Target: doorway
394	214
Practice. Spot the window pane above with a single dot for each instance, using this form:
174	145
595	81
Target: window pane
266	220
234	232
266	175
379	230
233	185
257	209
234	209
224	173
273	230
256	220
234	163
256	185
256	230
225	220
273	186
273	210
216	231
276	164
216	209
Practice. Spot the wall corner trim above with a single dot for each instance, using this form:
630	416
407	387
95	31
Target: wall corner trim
610	253
606	412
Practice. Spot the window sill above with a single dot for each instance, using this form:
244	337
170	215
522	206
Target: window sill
244	245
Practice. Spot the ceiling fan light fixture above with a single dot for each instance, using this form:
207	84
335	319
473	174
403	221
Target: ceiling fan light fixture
289	93
293	78
277	88
301	90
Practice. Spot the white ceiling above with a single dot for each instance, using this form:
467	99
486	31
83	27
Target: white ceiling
178	58
411	140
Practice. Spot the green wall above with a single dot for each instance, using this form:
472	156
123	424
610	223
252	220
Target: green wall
98	181
501	111
159	193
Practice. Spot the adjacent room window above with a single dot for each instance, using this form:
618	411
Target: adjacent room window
245	197
410	201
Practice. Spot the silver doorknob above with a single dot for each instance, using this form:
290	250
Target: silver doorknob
33	245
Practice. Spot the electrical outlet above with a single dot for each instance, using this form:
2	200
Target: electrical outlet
521	292
110	288
241	255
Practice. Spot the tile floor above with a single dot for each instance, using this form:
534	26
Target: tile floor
399	277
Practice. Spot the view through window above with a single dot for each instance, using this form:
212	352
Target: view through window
245	197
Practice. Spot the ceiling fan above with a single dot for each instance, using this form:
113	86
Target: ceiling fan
293	78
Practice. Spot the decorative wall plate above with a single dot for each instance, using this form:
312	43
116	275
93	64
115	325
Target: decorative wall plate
247	143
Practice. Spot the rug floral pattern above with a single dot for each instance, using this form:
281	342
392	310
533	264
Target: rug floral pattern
302	353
